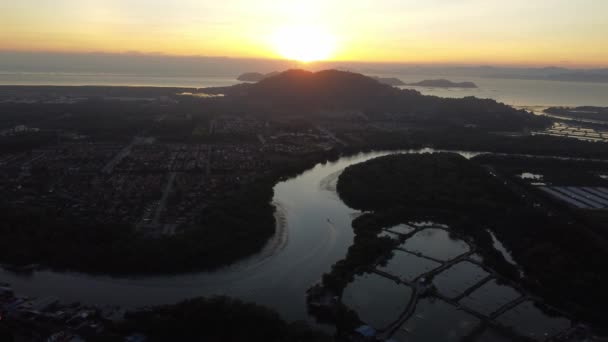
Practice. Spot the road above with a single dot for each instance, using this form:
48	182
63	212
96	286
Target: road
163	200
331	135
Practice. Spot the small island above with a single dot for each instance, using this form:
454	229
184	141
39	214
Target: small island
443	83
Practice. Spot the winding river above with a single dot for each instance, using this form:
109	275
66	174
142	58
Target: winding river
314	232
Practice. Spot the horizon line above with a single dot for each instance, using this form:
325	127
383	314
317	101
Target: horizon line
471	64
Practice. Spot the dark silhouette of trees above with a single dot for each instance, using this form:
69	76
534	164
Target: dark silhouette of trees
218	319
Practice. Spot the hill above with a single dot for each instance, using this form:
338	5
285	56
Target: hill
305	92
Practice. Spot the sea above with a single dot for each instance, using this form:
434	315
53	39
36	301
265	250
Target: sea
516	92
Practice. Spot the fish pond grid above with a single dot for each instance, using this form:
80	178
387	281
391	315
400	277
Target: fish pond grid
436	287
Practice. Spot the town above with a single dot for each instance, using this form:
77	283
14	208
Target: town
47	319
154	182
158	187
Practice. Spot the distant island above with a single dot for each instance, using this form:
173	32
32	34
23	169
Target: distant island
255	76
443	83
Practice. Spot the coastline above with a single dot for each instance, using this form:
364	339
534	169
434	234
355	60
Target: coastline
280	238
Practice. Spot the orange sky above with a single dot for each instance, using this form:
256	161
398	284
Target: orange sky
539	32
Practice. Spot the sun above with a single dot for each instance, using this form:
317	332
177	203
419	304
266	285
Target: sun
304	44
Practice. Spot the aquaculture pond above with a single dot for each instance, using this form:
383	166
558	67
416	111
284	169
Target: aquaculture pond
314	232
454	295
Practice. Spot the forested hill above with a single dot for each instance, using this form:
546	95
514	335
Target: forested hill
299	91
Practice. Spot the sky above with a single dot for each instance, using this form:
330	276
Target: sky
514	32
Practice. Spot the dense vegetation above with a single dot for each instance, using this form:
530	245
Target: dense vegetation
563	261
241	222
235	226
218	319
554	171
441	187
442	181
479	140
6	333
394	189
469	139
299	91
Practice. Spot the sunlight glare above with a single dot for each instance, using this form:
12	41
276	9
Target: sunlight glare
304	44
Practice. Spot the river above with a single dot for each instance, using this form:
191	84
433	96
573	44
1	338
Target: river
315	232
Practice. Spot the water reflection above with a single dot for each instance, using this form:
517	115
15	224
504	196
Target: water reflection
402	229
436	243
377	300
436	320
530	321
458	278
319	233
390	235
490	297
276	278
407	266
458	298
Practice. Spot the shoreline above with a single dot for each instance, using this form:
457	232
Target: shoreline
278	241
